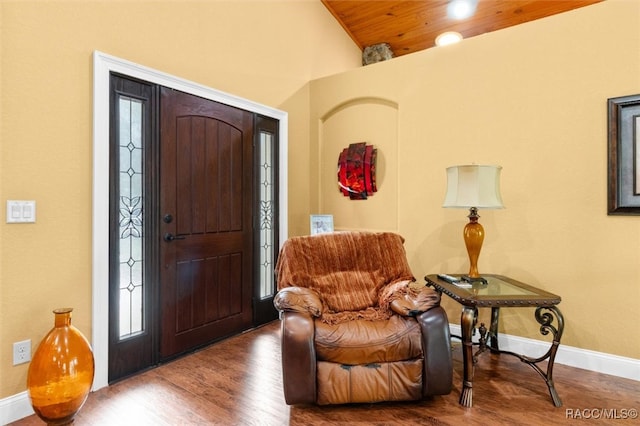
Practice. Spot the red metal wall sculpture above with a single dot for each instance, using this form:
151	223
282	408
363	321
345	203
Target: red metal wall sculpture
357	171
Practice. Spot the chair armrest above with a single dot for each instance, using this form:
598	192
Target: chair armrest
436	345
410	301
298	299
298	358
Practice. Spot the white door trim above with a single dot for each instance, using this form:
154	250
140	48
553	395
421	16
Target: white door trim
103	65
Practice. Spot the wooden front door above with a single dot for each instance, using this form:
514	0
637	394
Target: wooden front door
206	193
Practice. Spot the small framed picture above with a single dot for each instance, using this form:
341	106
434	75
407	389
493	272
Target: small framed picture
321	224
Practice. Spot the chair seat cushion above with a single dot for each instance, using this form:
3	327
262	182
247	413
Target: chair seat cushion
384	381
364	342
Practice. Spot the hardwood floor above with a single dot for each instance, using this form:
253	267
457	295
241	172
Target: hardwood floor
238	382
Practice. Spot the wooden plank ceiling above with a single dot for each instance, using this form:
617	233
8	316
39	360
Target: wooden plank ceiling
411	26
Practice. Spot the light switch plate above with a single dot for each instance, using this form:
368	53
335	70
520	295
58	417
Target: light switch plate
21	211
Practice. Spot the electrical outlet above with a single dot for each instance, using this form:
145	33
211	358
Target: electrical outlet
21	352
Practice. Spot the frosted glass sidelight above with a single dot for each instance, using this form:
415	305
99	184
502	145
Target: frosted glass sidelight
266	188
130	191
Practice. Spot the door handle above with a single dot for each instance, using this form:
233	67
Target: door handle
168	237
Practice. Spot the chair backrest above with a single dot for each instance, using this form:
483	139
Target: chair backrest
347	269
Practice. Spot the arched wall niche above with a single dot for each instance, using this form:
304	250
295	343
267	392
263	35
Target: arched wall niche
374	121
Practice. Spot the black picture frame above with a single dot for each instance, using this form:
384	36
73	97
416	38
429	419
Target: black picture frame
623	195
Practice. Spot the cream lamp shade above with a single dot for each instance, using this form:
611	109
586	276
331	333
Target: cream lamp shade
473	186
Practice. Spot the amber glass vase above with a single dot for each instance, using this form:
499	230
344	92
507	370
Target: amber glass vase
61	372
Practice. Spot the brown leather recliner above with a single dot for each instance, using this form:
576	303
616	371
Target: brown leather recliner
356	328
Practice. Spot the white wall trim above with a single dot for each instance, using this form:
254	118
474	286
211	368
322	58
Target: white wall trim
598	362
18	406
15	407
103	65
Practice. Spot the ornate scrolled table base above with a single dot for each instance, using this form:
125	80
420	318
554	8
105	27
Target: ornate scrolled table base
545	319
502	292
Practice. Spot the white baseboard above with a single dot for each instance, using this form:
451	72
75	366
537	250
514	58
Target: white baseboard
15	407
599	362
18	406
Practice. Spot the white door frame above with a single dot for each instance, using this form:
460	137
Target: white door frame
103	65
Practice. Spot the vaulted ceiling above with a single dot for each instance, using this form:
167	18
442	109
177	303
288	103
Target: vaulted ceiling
411	26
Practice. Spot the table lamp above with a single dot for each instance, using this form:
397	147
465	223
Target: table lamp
473	187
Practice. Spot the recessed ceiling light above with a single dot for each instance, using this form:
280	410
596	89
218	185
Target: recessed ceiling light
461	9
450	37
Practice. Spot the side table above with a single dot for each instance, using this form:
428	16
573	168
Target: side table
500	291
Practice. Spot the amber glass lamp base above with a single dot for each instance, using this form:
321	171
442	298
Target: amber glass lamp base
473	239
61	372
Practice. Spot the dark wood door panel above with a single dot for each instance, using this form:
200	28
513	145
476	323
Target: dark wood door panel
208	290
198	246
207	190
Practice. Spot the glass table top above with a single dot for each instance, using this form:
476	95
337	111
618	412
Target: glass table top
497	287
499	290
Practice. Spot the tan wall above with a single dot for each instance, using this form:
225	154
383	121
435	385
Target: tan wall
533	99
265	51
